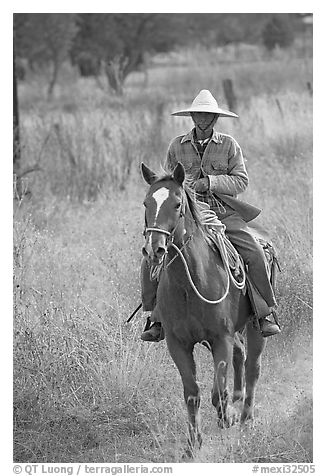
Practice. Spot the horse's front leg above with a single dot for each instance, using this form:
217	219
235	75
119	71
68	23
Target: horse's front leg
183	358
255	344
222	353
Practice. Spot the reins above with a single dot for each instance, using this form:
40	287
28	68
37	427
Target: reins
224	255
227	252
159	230
208	301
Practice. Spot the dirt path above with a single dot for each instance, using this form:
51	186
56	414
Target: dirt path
283	426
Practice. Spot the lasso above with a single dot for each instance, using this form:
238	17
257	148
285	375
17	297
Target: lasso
224	255
228	253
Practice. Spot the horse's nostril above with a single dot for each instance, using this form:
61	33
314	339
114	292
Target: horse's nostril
160	252
144	252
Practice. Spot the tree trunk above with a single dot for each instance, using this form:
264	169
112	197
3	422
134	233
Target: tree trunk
114	70
16	138
53	79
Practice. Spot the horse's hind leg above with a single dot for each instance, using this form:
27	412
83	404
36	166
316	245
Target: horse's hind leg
183	358
255	347
239	368
222	354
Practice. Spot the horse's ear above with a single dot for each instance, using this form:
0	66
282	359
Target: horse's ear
179	173
148	174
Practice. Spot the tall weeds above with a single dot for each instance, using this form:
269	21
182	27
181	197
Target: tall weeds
85	387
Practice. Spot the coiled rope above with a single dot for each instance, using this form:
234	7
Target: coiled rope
224	255
229	255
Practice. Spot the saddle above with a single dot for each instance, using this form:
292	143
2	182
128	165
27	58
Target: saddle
235	261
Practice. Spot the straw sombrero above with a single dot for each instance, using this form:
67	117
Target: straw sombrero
205	102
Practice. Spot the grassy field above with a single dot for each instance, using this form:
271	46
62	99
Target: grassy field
86	389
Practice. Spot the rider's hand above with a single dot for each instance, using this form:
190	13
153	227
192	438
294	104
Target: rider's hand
202	185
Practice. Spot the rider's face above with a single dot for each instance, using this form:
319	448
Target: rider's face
205	121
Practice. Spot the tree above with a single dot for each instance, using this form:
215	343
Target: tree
45	40
278	32
121	40
219	29
16	139
87	64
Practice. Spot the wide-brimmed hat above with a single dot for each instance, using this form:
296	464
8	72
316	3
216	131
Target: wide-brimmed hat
205	102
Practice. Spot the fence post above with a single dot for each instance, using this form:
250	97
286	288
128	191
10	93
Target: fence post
309	87
230	94
279	106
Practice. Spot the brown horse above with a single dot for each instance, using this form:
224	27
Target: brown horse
189	312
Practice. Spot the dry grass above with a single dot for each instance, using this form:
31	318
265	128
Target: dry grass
85	387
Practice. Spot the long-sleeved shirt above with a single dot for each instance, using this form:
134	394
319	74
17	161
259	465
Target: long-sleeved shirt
222	162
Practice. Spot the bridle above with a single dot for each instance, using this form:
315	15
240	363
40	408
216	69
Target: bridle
157	269
169	234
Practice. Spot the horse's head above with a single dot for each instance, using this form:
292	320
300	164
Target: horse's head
164	209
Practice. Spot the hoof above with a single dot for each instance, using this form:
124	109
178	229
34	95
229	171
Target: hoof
246	417
231	418
188	454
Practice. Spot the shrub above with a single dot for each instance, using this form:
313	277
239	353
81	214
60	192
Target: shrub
277	32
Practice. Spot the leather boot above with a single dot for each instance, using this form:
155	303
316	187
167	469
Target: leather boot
154	334
268	328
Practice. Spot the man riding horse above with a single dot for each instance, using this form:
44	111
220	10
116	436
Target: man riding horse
215	167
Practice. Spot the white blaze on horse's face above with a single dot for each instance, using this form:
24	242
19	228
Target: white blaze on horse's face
155	246
160	196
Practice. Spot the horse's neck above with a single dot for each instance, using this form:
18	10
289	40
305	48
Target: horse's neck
187	228
191	232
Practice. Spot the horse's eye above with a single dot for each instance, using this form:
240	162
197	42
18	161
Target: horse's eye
178	205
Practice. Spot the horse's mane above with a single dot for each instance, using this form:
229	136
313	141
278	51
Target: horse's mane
194	208
190	199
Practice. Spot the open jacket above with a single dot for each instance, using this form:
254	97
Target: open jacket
222	163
